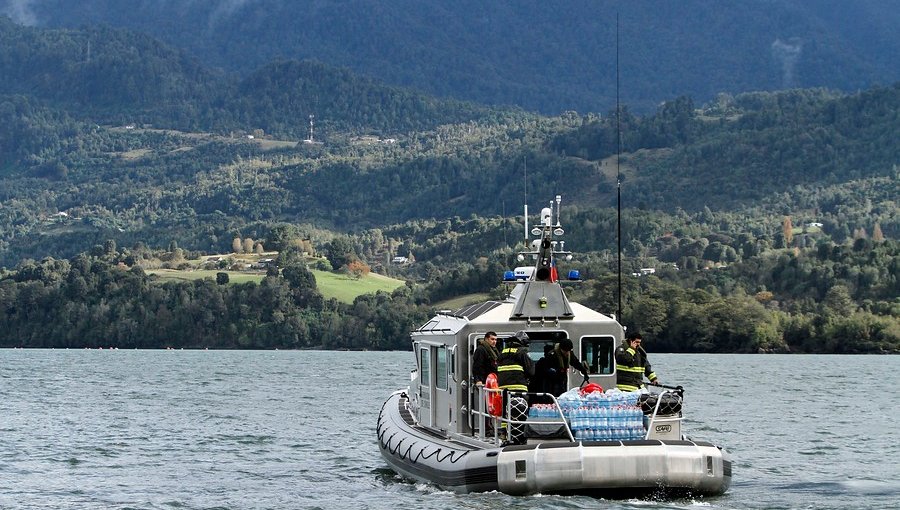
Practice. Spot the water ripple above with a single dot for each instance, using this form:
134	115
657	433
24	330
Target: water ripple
245	430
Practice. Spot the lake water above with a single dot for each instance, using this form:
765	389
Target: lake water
238	429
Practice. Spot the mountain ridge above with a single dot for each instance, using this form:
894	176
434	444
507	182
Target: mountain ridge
531	54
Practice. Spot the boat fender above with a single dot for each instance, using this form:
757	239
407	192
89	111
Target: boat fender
494	399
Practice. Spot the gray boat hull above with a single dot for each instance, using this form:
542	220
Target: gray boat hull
595	468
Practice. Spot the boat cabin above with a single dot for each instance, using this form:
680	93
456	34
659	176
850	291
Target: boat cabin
442	390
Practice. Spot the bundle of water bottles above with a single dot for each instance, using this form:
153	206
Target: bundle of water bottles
599	416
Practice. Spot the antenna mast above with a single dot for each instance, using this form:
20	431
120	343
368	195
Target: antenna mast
525	164
618	176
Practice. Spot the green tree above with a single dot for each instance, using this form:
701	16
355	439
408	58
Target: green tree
339	252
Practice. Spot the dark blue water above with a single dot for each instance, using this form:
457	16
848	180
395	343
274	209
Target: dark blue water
214	429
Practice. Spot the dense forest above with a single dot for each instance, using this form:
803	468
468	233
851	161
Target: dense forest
528	53
832	299
770	218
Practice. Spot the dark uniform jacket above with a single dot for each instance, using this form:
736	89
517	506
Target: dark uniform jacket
514	368
484	361
559	363
631	366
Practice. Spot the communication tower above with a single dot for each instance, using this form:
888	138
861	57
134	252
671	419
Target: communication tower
310	139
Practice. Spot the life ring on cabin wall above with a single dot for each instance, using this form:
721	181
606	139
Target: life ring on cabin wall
493	399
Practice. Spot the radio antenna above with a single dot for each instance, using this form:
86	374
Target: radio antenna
618	177
525	166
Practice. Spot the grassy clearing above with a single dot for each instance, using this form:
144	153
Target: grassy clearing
345	288
266	144
197	274
332	285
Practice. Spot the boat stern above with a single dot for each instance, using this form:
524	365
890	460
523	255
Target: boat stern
647	466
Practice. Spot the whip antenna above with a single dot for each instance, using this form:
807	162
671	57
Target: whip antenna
618	176
525	165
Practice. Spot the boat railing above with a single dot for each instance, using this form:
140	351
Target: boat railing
652	419
504	417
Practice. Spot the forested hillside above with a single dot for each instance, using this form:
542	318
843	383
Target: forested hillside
110	76
739	150
770	218
528	53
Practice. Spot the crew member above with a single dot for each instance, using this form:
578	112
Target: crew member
561	359
514	367
484	360
632	364
540	383
514	370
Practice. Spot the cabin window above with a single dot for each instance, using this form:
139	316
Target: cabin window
542	341
442	370
425	367
537	350
597	352
453	363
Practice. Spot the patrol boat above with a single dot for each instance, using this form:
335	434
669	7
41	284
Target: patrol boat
445	430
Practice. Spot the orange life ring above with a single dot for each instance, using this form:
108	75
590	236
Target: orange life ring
494	398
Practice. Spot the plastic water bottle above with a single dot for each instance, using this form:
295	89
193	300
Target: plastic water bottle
632	431
611	423
638	421
616	422
619	422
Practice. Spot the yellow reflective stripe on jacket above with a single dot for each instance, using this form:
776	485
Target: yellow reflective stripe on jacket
626	387
510	368
516	387
626	368
630	351
652	376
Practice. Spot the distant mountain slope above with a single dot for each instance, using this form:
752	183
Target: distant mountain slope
120	77
280	96
538	55
753	146
97	69
109	156
154	186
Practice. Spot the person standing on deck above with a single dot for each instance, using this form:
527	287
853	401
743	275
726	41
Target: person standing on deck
484	363
514	366
540	383
632	364
514	370
561	359
484	360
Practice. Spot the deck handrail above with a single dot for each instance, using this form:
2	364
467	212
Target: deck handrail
504	417
659	398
